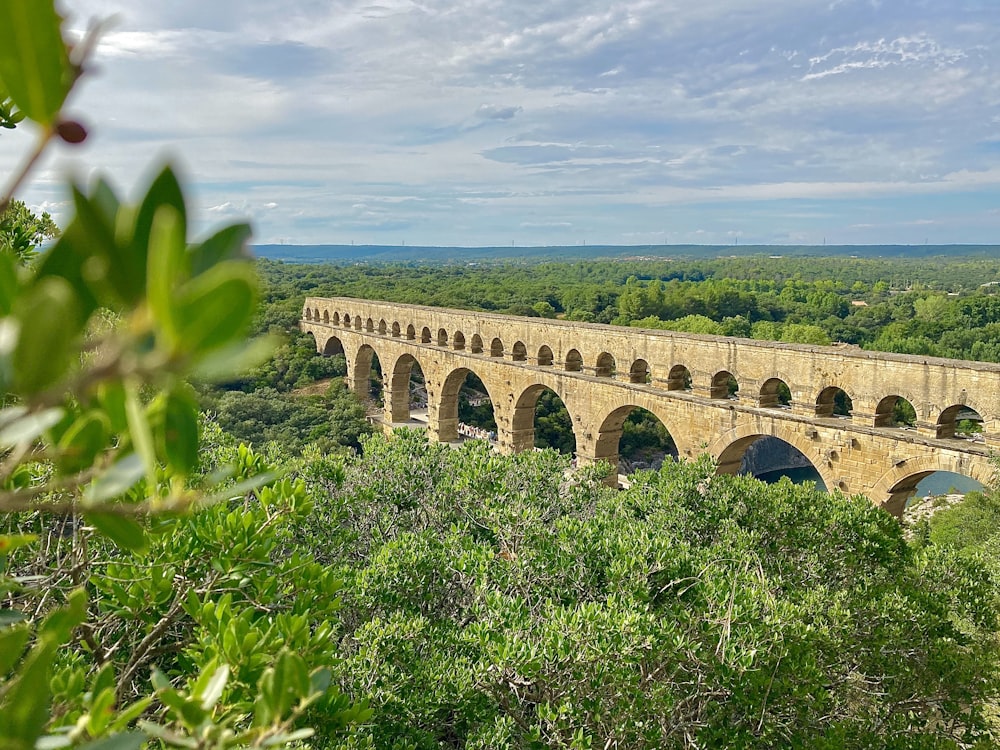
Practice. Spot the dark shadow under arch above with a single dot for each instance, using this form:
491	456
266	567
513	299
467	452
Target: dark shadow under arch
574	362
833	401
895	411
775	394
545	356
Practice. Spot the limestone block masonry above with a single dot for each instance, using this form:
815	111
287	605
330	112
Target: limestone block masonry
602	372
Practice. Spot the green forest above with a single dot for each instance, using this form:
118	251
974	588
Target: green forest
203	545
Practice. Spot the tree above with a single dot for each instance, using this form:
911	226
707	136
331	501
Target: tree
99	453
22	231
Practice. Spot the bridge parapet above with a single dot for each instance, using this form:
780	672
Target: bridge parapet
932	385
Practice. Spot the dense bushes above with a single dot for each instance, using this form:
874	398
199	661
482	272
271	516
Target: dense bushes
492	602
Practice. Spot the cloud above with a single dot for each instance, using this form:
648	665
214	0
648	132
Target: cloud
496	112
472	121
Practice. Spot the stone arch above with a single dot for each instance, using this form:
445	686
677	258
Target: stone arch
425	335
833	401
309	314
370	325
333	346
395	329
357	322
458	341
775	394
609	434
316	314
336	319
574	362
523	419
723	385
382	327
442	337
477	344
898	484
679	378
326	317
887	409
728	449
519	352
545	358
361	369
315	342
411	332
953	420
639	372
605	365
347	320
447	403
496	348
398	382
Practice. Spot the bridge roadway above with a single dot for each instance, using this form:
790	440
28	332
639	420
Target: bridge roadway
602	372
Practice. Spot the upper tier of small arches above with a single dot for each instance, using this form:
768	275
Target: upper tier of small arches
943	397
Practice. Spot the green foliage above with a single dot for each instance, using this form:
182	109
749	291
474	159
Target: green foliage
22	231
492	603
104	570
335	418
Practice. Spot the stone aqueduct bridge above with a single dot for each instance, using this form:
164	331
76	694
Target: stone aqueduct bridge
602	372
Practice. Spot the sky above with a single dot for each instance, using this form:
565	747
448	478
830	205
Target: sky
560	122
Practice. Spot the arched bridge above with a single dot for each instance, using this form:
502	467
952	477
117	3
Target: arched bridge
835	404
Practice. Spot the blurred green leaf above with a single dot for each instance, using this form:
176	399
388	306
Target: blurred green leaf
180	432
125	532
12	643
166	271
81	443
215	308
34	65
8	283
16	430
238	357
229	243
117	480
123	741
50	318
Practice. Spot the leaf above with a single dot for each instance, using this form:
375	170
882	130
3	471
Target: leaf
166	271
11	617
164	191
117	480
12	643
213	690
236	358
123	741
34	65
229	243
286	738
8	283
81	443
10	542
27	428
180	432
216	307
50	317
125	532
